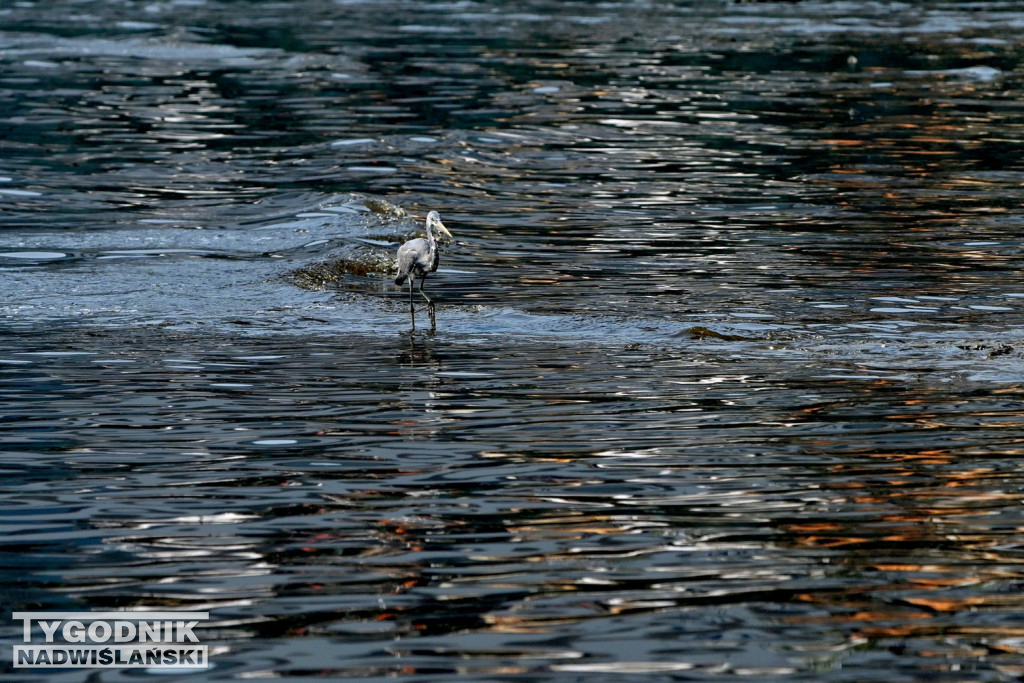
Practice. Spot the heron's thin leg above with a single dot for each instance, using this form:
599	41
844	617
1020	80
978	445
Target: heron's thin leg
411	279
422	280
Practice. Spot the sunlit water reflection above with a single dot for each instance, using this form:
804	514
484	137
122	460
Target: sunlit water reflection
725	376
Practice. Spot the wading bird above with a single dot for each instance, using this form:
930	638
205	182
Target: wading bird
420	256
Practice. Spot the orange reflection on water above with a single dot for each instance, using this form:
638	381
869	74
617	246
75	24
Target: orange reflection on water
922	538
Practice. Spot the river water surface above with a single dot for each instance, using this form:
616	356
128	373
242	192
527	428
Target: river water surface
725	377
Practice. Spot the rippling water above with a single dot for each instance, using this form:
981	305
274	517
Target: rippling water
725	377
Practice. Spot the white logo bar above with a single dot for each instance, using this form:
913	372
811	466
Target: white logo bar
110	616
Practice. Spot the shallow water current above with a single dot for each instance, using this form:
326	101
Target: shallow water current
724	380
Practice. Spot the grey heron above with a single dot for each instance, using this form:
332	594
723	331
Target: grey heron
420	256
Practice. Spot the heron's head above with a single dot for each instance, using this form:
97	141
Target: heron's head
434	221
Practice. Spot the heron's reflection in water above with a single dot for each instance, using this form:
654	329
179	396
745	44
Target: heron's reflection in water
418	349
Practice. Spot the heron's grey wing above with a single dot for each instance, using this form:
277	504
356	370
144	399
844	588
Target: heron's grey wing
405	259
411	254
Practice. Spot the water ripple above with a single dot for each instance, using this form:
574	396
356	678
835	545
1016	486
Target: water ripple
724	377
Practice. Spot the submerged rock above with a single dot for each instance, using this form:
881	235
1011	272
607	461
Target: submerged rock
383	207
325	274
701	332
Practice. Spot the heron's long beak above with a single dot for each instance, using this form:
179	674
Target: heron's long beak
440	226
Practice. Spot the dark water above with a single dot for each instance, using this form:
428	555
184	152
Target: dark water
725	378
